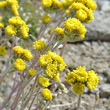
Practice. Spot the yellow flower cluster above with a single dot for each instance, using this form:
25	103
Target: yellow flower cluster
13	4
80	78
3	51
46	19
74	25
32	71
1	24
47	94
60	31
44	81
53	64
25	53
16	24
20	65
39	45
53	4
84	9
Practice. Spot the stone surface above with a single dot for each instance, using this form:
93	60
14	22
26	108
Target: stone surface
98	29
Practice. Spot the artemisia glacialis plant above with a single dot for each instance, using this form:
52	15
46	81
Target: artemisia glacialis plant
41	65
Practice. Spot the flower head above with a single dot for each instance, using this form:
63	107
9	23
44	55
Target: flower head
3	51
47	94
46	19
93	80
20	65
44	81
78	88
47	3
27	54
39	45
32	71
18	49
44	60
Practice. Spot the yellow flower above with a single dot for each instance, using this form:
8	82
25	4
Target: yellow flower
76	6
11	30
27	54
81	15
16	20
56	78
93	80
1	25
67	12
18	49
60	30
20	65
47	3
46	19
47	94
39	45
73	24
71	77
3	4
24	31
3	51
91	4
15	10
32	71
44	81
78	88
81	74
44	60
59	59
51	70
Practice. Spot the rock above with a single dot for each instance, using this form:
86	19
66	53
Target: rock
105	90
98	29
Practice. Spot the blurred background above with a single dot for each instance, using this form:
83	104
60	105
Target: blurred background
93	53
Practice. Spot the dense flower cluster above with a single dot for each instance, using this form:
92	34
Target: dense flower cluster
77	11
32	71
20	65
3	51
52	64
47	94
25	54
39	44
17	25
46	19
80	78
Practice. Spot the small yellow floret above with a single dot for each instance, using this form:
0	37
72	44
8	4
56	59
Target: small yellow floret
27	54
39	45
56	78
24	31
44	81
44	60
59	30
47	94
15	10
47	3
3	51
1	25
32	71
81	74
78	88
81	15
20	65
93	80
71	77
18	49
91	4
11	30
51	70
46	19
3	4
